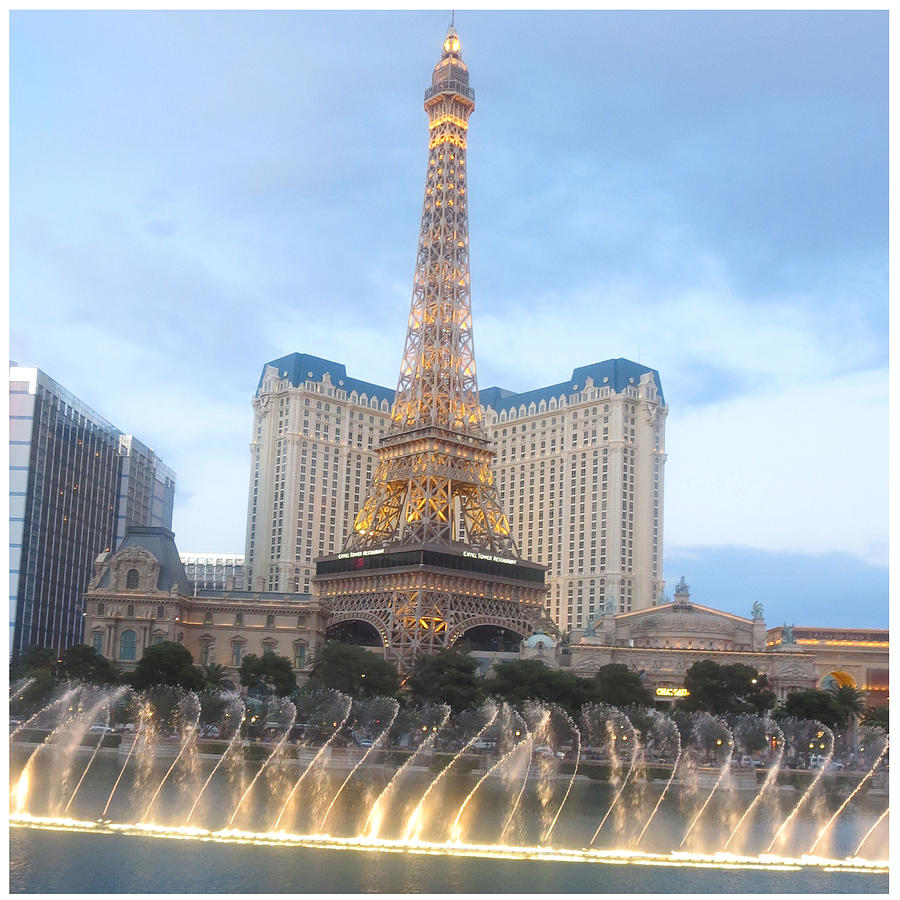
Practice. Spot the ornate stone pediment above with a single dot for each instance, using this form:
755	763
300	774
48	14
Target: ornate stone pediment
134	559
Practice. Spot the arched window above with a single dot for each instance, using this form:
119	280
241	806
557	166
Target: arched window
207	619
128	645
238	618
131	579
100	608
270	620
129	611
97	641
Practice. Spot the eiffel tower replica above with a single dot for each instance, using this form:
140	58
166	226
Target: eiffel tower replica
430	555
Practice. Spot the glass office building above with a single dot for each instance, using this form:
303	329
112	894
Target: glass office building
75	483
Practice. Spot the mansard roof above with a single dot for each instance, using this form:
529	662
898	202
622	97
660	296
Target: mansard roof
620	373
298	366
159	543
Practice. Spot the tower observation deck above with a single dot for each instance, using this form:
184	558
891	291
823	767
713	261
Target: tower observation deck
430	555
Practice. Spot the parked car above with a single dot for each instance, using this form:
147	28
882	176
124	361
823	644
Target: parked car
100	728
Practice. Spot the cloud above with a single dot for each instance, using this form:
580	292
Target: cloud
829	589
800	470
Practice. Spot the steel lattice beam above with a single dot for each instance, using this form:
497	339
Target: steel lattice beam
434	483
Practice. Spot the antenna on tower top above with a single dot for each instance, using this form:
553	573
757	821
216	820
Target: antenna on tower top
452	17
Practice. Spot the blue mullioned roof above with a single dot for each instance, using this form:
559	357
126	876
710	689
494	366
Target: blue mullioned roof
297	367
618	373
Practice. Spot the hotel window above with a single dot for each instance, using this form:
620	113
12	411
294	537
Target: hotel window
100	609
239	619
160	612
97	642
207	619
270	620
129	610
128	645
237	652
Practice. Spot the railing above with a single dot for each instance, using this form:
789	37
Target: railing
451	86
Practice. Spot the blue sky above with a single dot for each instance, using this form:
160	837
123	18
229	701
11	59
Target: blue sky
193	194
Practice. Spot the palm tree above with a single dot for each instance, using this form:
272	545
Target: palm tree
850	705
214	677
849	702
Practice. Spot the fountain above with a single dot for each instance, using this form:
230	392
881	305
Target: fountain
620	786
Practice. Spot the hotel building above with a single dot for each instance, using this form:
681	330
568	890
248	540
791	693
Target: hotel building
579	470
214	571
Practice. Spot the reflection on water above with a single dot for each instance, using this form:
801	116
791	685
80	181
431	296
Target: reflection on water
113	864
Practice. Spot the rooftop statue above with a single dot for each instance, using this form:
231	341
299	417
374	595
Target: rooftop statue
756	610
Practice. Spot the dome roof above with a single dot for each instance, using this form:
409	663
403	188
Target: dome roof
540	640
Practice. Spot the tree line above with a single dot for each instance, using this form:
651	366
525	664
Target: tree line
449	676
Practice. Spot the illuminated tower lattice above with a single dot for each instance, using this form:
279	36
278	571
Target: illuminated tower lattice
431	555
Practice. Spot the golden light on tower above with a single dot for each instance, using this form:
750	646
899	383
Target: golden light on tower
433	488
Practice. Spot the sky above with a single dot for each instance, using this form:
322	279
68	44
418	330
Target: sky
194	194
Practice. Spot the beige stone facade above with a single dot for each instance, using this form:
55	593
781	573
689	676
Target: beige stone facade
857	657
662	643
140	596
312	458
579	471
581	474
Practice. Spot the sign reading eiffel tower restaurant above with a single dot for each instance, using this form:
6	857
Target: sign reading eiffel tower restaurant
430	555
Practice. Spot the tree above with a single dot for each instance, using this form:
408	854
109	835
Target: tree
270	671
33	658
446	677
34	694
734	688
849	702
83	663
820	706
166	663
876	717
214	677
354	671
618	686
518	680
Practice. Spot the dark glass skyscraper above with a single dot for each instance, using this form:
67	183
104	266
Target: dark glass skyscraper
75	483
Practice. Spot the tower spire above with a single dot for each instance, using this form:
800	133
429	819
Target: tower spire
430	556
434	481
